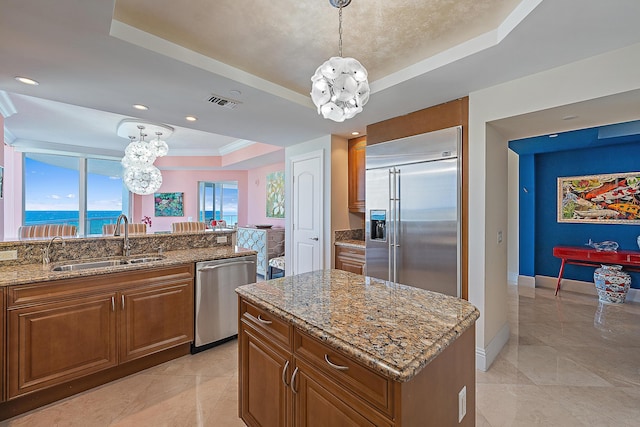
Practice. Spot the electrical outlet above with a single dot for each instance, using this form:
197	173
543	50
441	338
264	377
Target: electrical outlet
462	403
221	239
8	255
499	236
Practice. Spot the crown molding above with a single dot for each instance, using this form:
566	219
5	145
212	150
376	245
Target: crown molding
235	146
7	109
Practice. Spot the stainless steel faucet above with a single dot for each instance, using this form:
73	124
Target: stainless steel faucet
126	247
45	251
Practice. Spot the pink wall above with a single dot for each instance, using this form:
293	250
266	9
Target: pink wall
186	181
2	164
257	192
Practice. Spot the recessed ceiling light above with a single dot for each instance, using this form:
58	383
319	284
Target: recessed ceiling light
354	133
27	81
140	107
191	118
571	117
235	92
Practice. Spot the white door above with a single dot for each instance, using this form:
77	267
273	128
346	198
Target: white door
307	209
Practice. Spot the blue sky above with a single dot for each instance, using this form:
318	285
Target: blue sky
50	187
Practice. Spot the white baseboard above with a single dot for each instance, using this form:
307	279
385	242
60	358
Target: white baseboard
579	286
486	356
527	281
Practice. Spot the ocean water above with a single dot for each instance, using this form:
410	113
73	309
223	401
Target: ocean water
95	219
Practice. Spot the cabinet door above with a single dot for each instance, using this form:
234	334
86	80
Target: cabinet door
357	166
350	259
320	402
265	373
53	343
155	318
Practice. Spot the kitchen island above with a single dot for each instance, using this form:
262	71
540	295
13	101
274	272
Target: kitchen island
353	350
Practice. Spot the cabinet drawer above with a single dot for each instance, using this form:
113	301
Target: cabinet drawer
266	322
357	378
350	252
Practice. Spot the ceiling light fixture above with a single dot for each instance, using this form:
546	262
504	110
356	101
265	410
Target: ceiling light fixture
339	86
140	107
191	118
27	81
140	175
354	133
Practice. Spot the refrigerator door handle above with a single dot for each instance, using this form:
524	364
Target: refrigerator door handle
389	228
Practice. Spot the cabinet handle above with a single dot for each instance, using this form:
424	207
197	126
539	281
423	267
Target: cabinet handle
284	373
293	381
113	303
266	322
333	365
122	299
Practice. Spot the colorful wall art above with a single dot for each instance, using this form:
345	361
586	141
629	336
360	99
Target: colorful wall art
275	195
608	199
169	204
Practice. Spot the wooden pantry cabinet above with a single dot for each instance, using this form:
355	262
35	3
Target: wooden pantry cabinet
356	175
285	379
64	330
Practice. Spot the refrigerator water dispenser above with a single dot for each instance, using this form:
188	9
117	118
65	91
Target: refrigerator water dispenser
378	221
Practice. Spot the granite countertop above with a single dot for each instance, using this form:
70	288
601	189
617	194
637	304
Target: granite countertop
394	329
351	243
31	273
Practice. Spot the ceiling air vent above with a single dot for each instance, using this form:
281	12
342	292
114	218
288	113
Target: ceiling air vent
227	103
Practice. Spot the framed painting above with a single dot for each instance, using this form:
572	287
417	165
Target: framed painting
600	199
275	195
169	204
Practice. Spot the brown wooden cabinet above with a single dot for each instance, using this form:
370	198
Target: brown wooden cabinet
280	386
350	259
68	329
357	167
290	378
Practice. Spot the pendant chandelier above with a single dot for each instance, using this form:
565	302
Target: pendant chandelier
339	86
140	175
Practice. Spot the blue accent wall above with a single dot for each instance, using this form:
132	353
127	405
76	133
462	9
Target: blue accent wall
539	229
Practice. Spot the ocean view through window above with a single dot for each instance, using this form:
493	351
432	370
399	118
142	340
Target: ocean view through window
52	192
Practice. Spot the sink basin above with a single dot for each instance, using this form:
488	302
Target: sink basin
89	264
83	265
144	259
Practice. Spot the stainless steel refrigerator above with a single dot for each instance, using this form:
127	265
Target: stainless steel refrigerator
412	220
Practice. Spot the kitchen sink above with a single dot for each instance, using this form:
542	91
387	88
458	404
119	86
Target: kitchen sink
83	265
144	259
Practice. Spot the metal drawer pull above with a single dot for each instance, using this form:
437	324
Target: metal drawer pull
284	373
113	304
266	322
123	302
293	381
333	365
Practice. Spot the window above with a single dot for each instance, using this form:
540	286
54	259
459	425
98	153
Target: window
218	200
86	193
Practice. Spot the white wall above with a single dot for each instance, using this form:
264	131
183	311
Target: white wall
335	197
607	74
513	209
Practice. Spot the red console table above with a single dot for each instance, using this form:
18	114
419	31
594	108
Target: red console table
593	258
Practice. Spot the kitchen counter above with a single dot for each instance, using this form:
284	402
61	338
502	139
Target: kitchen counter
350	243
393	329
31	273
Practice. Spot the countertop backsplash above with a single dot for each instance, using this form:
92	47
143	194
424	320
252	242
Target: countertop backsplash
30	251
356	234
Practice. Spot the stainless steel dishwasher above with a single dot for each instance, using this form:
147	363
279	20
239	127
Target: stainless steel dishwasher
216	301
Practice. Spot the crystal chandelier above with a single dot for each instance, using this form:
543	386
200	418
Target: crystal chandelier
339	86
140	175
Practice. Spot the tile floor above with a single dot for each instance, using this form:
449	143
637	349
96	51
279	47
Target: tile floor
569	362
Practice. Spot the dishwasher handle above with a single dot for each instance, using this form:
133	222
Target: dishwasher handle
226	264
